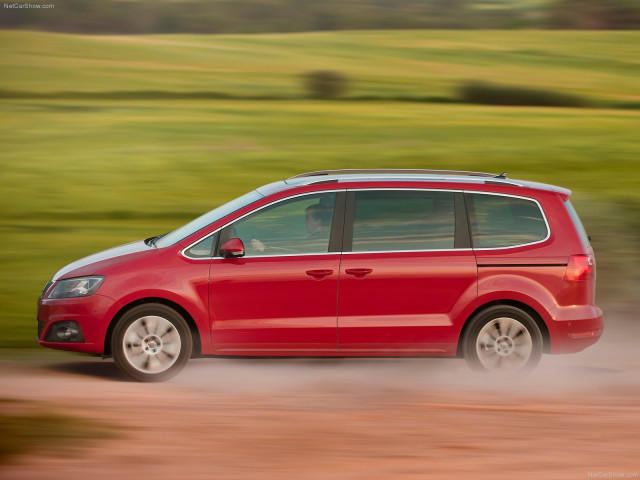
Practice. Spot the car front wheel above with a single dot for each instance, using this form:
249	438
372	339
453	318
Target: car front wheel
502	338
151	343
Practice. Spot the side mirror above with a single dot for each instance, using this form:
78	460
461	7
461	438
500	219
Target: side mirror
232	248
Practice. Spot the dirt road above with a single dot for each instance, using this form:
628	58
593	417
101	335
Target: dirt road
575	417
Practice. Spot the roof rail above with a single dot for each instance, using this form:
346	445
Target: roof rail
396	171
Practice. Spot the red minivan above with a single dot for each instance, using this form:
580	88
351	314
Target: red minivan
342	263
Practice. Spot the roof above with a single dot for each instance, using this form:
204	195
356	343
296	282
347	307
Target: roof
407	175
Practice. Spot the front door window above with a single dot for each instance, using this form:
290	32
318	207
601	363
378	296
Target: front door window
299	225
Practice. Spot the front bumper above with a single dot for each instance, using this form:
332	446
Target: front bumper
91	314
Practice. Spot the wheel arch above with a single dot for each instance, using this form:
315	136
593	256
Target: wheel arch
195	334
546	339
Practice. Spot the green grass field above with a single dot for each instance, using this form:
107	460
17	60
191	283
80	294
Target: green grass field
80	176
603	65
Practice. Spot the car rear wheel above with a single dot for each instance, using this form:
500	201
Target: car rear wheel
151	343
502	338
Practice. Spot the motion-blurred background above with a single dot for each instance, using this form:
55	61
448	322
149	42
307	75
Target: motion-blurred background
124	119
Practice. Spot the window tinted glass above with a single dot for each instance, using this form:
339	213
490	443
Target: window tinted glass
204	248
498	221
403	220
299	225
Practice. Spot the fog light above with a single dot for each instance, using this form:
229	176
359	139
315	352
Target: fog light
65	333
68	331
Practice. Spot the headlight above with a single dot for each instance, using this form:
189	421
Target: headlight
76	287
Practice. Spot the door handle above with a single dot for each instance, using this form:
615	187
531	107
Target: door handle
359	272
320	273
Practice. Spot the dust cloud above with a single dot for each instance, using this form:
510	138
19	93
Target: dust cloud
575	416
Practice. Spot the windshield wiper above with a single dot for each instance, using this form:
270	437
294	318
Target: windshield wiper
151	241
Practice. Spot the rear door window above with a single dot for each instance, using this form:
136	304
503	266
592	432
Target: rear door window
499	221
397	220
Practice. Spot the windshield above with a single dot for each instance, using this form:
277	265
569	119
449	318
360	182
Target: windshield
206	219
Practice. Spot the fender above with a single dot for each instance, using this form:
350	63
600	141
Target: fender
495	286
199	316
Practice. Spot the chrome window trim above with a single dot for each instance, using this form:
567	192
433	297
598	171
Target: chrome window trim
412	189
411	251
283	255
182	252
544	217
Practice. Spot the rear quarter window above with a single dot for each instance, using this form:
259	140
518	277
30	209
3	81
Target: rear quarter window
499	221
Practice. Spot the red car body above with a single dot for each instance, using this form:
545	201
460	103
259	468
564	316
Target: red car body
344	303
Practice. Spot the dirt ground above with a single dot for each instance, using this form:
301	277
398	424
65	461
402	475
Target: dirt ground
576	417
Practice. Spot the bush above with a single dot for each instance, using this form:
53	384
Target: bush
325	83
493	94
593	14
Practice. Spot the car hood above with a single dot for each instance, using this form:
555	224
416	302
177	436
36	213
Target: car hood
94	264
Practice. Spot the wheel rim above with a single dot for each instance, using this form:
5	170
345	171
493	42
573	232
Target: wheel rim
504	344
151	344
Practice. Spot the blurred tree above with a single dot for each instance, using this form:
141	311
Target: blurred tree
594	14
262	16
325	83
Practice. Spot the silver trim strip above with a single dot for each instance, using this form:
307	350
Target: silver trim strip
410	189
412	251
544	217
283	255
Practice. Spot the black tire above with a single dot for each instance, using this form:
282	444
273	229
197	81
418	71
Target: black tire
151	343
502	339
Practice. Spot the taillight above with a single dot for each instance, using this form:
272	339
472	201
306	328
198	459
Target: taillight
580	267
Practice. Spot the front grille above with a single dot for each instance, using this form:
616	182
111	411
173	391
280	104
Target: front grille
40	327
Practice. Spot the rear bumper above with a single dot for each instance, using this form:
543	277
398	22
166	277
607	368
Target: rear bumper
575	328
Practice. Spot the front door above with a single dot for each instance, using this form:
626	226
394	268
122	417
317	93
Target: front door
281	296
